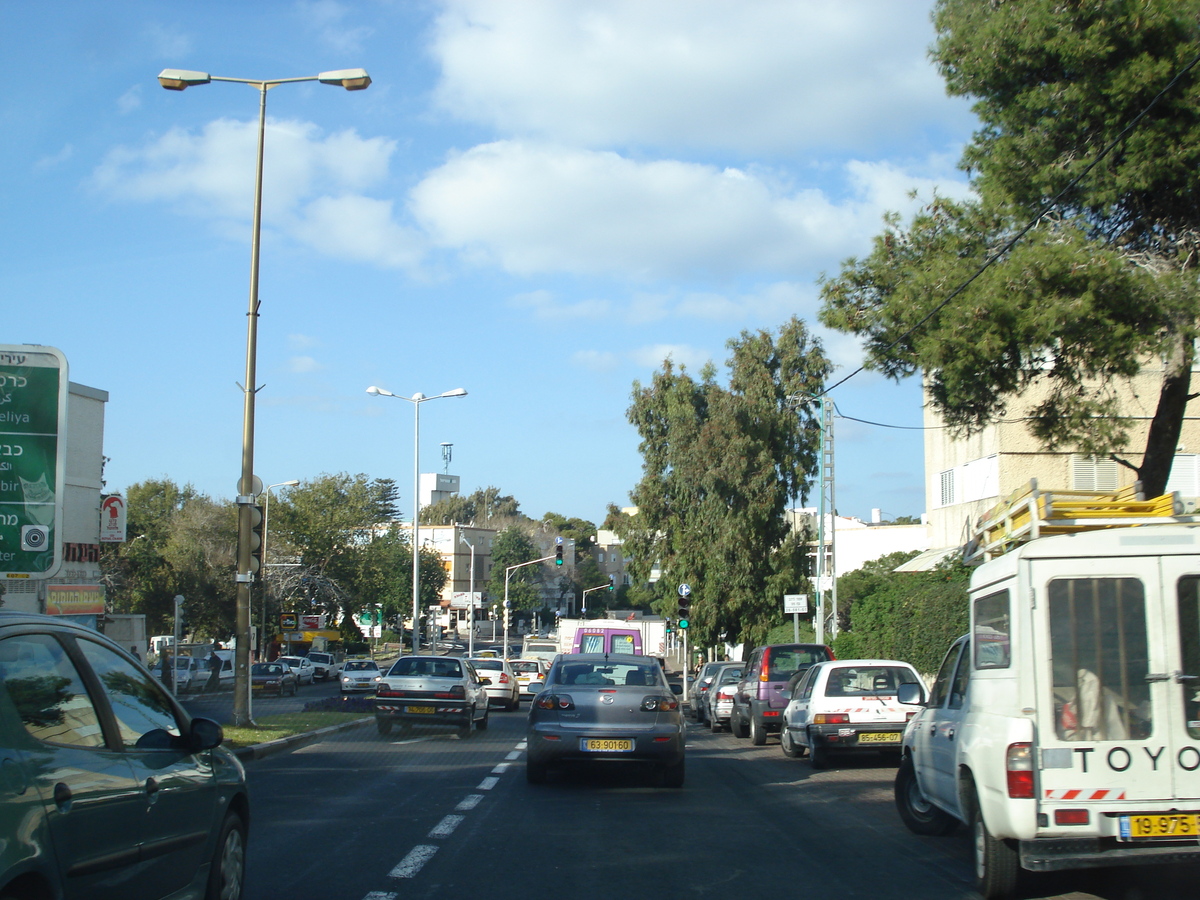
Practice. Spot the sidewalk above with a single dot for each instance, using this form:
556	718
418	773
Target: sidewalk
258	751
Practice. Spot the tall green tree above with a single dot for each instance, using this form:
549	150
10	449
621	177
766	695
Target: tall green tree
485	507
511	547
1106	280
720	464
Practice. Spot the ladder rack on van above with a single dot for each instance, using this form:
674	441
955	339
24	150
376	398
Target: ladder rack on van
1030	512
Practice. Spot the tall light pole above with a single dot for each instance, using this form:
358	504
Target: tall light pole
178	80
462	539
416	400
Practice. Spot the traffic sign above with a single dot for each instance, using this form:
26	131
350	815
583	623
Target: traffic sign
795	603
685	590
33	450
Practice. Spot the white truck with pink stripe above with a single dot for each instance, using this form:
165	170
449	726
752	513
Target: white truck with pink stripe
1064	728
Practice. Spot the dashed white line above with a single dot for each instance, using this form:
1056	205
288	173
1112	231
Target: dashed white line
469	802
487	784
412	864
446	827
521	746
380	895
500	769
515	754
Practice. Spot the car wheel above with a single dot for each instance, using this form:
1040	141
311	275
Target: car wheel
715	726
790	748
996	863
918	814
464	731
673	774
384	726
227	873
535	772
482	724
758	733
818	757
736	725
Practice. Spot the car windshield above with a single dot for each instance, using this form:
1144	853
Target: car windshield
361	666
266	669
435	668
866	681
604	673
291	660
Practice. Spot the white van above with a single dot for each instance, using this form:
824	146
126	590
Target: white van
1064	728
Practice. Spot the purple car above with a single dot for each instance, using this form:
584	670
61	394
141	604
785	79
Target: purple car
763	692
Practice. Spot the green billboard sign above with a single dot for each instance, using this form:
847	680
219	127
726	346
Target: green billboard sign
33	447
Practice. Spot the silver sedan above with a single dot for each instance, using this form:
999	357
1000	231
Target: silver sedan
605	708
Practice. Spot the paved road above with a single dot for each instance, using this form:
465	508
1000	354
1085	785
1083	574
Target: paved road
364	817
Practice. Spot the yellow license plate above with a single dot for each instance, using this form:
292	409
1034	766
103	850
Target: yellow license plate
602	745
257	687
883	737
424	710
1166	826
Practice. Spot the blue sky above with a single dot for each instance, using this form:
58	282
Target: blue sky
535	201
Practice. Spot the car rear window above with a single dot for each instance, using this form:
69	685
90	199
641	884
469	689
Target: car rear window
608	674
493	664
867	681
523	668
435	668
784	662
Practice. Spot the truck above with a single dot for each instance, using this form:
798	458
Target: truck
1063	729
640	636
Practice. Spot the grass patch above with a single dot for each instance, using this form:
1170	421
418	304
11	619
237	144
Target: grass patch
272	728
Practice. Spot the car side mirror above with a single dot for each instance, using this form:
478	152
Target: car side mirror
677	689
205	734
911	693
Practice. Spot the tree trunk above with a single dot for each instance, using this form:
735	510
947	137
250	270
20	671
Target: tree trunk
1163	436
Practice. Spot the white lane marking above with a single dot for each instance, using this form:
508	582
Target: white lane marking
487	784
500	769
515	754
411	864
469	802
380	895
522	745
446	827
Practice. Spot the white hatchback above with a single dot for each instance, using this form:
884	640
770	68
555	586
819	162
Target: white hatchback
848	705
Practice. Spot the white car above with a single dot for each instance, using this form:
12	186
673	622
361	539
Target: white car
360	675
306	672
502	686
187	674
531	675
848	705
326	665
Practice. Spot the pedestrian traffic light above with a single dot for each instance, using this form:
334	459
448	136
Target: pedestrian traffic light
558	561
256	538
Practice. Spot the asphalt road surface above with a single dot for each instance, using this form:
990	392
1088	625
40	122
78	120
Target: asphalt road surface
359	816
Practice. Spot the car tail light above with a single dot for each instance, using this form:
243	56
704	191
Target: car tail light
831	719
659	703
383	692
504	678
908	715
458	692
546	700
1018	766
767	713
1071	817
764	670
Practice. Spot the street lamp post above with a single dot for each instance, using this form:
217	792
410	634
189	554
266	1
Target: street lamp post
470	599
178	80
507	609
416	400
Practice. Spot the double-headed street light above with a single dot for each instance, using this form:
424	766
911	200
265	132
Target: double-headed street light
416	400
178	80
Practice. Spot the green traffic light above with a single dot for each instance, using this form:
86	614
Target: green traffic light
683	624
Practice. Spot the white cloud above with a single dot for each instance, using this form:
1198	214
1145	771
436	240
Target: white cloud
311	184
301	341
49	162
167	43
302	365
326	17
547	306
770	76
536	208
130	101
596	360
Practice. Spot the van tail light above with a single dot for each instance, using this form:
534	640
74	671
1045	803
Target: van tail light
831	719
1018	766
764	671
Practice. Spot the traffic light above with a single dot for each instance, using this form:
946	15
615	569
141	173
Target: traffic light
612	582
684	603
256	538
670	624
558	553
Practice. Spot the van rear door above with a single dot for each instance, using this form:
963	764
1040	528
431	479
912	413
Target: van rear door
1107	730
1178	682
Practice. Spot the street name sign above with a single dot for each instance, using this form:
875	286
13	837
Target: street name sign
33	454
795	603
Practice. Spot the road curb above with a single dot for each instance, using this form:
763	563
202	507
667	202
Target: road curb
267	748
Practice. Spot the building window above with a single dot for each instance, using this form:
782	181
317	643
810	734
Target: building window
600	557
1185	475
1091	473
946	484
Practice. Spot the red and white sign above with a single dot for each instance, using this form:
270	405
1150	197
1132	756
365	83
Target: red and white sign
112	520
312	623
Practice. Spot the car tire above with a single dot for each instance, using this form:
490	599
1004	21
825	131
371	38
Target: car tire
673	774
535	772
482	724
715	726
818	757
464	731
295	688
384	726
790	748
918	814
737	726
227	872
758	731
996	861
